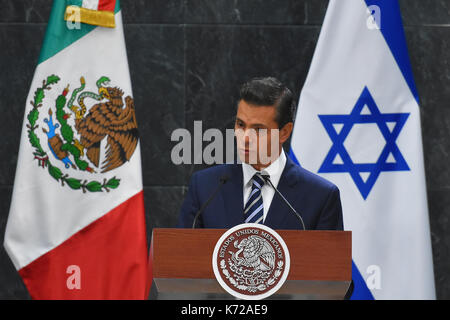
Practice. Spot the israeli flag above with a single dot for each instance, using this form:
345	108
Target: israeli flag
358	125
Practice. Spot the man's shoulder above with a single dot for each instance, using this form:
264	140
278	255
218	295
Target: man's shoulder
217	171
311	179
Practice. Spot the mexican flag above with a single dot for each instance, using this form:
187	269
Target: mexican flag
76	226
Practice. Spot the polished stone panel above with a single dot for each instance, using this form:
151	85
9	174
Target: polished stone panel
156	61
236	54
153	12
246	12
187	60
439	204
19	52
29	11
419	12
429	49
11	285
162	205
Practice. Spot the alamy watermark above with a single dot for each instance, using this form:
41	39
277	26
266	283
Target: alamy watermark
373	22
212	146
73	281
373	280
73	18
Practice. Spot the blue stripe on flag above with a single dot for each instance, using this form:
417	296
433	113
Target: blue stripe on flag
360	291
393	33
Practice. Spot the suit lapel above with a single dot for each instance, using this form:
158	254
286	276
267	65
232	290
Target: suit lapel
278	209
232	195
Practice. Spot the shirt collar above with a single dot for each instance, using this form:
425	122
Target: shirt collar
274	170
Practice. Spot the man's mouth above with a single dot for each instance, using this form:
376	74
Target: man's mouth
245	151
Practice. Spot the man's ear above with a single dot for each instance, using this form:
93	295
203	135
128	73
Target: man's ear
286	131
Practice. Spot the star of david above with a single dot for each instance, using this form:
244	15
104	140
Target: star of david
390	151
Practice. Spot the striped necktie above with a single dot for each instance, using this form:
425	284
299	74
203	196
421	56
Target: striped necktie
254	208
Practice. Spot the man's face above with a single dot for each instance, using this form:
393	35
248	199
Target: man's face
259	139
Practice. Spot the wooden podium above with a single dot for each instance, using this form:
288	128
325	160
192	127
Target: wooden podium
321	264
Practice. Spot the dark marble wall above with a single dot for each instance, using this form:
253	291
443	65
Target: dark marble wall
187	59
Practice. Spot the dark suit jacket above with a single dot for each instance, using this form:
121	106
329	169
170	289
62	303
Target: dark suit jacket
317	200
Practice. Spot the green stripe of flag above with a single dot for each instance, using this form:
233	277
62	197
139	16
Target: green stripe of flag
78	3
58	36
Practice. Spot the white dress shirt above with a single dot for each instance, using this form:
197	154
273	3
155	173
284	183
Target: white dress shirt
274	170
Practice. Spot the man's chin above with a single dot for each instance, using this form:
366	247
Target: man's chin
248	157
251	158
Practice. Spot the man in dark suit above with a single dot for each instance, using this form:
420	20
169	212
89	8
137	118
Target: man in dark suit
265	107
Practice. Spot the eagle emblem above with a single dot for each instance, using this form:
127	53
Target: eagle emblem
108	120
257	254
87	131
251	261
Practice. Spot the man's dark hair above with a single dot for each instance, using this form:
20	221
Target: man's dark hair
270	91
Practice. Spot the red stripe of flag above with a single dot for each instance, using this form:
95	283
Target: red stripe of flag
106	5
110	256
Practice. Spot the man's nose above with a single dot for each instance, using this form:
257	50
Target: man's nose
249	136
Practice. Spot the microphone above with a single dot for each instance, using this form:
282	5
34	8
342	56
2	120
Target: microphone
223	179
266	178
